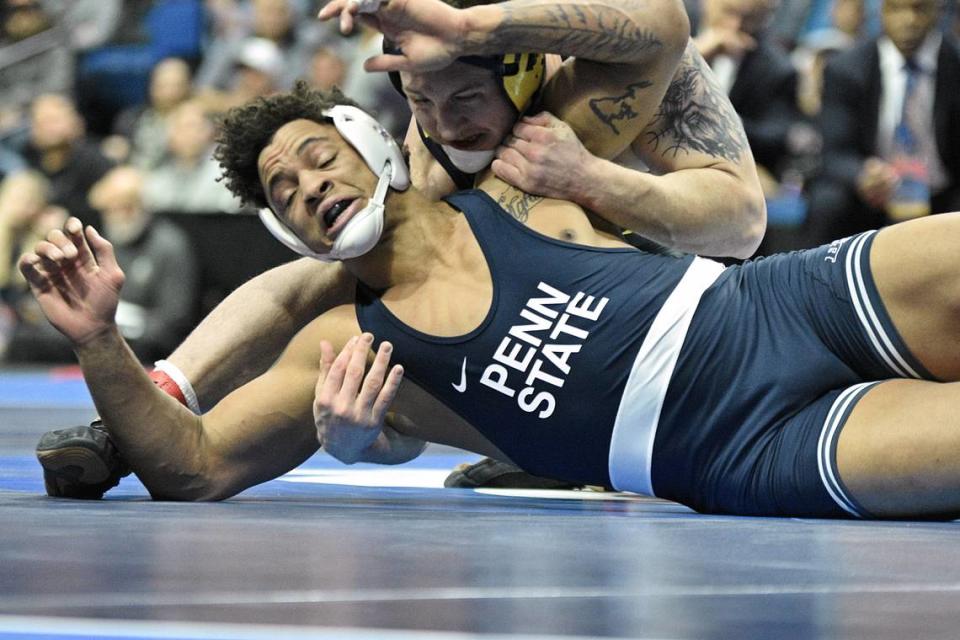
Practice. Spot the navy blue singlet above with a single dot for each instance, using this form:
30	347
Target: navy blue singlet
565	324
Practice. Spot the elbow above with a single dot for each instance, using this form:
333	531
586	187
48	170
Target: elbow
746	223
753	229
199	489
676	36
205	483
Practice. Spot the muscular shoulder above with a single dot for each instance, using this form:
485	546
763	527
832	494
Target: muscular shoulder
695	123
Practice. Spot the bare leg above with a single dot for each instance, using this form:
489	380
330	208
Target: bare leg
917	271
899	452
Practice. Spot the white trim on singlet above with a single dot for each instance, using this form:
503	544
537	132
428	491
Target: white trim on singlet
830	432
631	447
881	341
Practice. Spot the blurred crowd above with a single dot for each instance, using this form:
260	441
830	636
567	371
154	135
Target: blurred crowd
107	111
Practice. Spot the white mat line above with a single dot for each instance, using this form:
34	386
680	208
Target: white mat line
353	596
105	628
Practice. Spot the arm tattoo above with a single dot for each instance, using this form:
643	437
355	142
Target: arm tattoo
612	109
518	204
696	115
593	32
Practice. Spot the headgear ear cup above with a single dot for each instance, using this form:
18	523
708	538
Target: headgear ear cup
521	74
522	78
384	158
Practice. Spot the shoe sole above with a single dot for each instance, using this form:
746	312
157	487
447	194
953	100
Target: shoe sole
77	463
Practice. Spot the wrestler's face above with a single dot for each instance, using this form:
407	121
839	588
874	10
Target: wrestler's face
314	181
907	22
460	106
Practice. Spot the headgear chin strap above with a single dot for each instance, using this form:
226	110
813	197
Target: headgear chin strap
381	153
469	161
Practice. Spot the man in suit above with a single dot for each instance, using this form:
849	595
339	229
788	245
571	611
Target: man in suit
905	80
754	71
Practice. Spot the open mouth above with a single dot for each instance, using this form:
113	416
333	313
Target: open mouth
332	214
467	144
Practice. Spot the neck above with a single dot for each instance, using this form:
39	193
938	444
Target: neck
415	238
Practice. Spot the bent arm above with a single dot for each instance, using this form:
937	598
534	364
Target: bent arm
703	194
631	32
246	332
258	432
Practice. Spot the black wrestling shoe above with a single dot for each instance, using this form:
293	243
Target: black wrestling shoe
490	473
80	462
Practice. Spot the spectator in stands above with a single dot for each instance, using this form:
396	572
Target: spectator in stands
327	69
186	182
374	91
227	18
890	116
115	76
295	35
25	218
754	70
90	23
160	293
817	47
35	58
140	133
258	68
60	150
10	161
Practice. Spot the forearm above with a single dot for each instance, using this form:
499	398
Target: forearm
161	440
706	211
617	31
246	332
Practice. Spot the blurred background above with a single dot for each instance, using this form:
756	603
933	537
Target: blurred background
107	112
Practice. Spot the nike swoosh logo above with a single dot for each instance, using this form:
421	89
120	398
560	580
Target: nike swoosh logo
463	378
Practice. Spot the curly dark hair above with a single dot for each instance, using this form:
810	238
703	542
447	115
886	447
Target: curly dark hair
244	131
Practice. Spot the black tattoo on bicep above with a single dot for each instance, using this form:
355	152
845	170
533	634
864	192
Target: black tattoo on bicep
696	115
518	204
590	32
614	109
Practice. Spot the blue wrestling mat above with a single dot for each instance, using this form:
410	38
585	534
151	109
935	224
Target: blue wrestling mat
366	552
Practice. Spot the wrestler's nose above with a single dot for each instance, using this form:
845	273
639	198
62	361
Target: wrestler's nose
448	125
315	185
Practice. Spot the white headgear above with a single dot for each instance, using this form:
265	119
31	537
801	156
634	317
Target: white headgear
381	153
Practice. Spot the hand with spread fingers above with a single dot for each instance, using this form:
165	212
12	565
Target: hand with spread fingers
426	31
538	155
75	278
349	408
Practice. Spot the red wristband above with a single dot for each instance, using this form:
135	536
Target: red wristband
168	386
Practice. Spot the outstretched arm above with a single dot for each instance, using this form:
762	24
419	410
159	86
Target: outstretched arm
258	432
246	332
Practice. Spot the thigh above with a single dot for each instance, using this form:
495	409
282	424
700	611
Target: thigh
917	274
898	453
789	468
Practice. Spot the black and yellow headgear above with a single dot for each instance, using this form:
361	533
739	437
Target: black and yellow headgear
520	74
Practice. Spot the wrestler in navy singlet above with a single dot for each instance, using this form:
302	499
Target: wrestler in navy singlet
723	389
565	324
